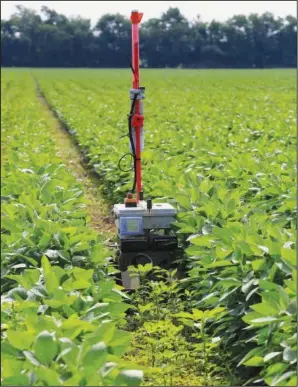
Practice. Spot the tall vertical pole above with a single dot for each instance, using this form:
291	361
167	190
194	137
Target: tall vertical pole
136	18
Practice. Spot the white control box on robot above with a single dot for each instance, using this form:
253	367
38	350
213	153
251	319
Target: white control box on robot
135	220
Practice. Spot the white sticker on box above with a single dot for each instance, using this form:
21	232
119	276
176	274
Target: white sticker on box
131	226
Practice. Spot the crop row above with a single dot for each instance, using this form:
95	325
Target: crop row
221	146
60	306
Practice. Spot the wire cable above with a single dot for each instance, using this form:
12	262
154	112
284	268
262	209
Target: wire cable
119	163
132	143
134	260
133	154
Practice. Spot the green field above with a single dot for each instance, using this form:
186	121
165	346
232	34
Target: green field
220	145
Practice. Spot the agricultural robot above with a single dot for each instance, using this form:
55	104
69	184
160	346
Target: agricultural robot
144	232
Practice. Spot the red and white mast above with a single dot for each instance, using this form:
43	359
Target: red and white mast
138	93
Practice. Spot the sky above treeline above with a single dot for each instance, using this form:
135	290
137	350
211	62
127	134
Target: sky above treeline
208	10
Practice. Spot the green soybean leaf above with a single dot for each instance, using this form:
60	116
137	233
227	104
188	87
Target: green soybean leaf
255	361
129	378
183	200
18	380
20	340
203	240
266	309
48	376
270	356
96	356
290	355
8	350
289	256
45	347
51	281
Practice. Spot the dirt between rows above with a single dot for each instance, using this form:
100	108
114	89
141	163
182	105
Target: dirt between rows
98	209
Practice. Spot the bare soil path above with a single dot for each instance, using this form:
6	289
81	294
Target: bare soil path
98	209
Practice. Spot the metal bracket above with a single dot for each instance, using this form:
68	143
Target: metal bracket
140	93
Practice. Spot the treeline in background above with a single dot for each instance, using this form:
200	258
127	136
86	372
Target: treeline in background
50	39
